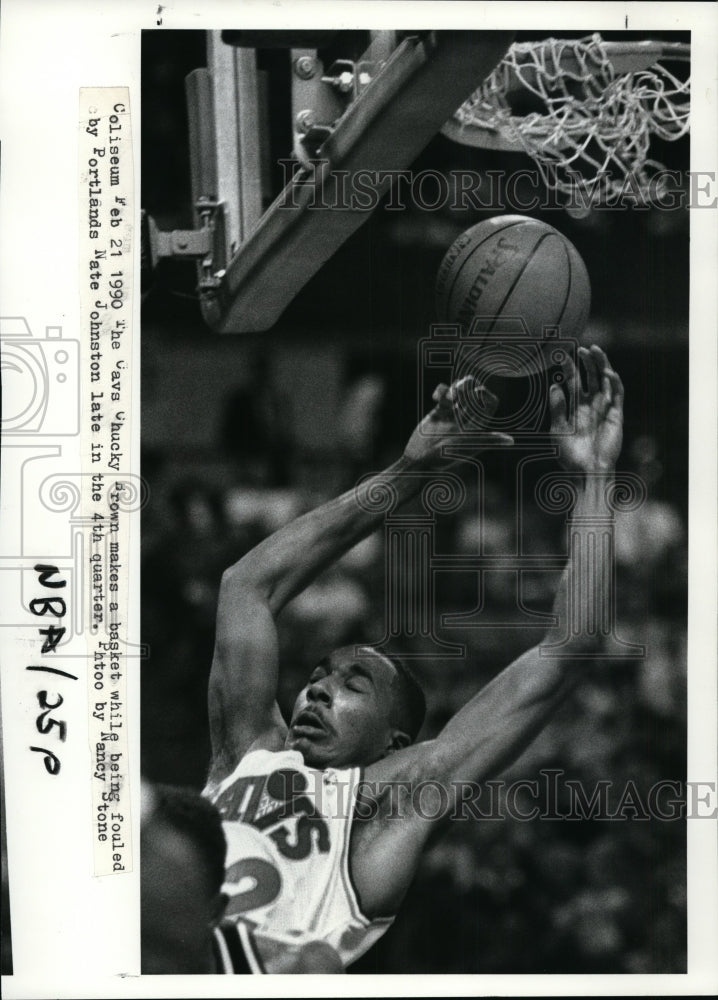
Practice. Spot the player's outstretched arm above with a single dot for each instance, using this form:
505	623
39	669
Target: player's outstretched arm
495	726
502	719
243	681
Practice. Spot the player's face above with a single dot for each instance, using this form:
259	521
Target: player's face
342	718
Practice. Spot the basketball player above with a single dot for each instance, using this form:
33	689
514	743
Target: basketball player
183	859
324	831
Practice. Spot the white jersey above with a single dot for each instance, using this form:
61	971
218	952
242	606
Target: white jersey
288	828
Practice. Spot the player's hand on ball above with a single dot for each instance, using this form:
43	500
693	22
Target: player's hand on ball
587	420
462	408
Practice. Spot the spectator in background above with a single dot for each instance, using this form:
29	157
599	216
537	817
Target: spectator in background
254	429
360	420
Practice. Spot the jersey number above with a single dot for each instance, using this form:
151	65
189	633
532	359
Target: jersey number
251	883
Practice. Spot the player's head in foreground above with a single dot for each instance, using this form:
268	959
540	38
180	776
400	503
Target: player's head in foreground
358	706
184	852
183	857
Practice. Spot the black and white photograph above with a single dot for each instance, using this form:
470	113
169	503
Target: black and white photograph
414	579
358	536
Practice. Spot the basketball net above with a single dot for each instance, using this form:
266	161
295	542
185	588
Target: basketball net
600	106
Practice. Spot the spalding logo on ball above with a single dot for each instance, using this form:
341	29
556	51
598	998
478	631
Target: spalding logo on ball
517	285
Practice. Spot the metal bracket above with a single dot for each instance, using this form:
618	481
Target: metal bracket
415	86
184	243
349	77
198	243
320	98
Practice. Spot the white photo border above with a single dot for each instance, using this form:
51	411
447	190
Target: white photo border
68	927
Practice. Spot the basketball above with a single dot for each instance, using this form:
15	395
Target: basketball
514	281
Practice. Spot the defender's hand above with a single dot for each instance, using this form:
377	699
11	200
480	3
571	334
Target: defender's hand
595	414
464	407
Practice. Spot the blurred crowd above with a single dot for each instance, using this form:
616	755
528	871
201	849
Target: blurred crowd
499	895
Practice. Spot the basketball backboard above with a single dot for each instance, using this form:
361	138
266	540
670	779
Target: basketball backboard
351	110
295	137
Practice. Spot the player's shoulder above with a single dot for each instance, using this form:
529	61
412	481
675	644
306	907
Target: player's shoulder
226	768
390	787
413	763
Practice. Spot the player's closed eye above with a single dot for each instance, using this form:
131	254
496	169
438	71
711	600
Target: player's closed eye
358	685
